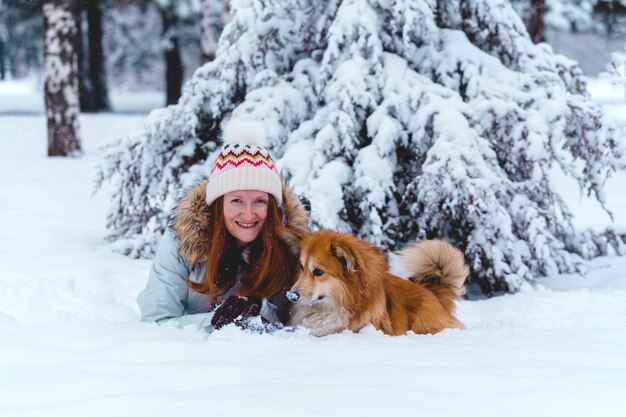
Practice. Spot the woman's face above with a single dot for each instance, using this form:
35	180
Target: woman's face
244	214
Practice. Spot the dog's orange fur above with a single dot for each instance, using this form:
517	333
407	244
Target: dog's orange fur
345	284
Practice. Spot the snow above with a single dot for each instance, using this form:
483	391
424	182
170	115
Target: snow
25	97
72	344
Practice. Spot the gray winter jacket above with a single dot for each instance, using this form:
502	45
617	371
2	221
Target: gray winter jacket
182	254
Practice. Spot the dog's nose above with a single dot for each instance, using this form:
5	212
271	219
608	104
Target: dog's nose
293	295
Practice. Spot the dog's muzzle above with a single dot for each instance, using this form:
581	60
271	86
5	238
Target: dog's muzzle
293	295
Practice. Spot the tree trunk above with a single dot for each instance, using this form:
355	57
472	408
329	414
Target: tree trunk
3	69
61	72
94	94
97	73
84	83
173	61
533	20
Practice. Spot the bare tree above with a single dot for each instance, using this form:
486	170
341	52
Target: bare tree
61	72
93	89
2	67
3	36
173	59
534	20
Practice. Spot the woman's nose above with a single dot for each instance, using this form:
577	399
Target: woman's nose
248	212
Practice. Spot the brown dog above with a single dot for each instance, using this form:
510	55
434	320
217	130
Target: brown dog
345	284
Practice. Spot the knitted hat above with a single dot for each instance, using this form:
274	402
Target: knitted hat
243	163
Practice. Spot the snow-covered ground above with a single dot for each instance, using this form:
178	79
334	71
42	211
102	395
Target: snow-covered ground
71	343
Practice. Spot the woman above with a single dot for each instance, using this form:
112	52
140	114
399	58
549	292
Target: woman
229	252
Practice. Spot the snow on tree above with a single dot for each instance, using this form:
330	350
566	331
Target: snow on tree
399	120
149	42
61	77
616	70
132	43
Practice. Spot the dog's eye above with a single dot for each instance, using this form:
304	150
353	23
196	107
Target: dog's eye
318	272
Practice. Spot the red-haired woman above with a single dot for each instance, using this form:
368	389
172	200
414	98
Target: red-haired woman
229	252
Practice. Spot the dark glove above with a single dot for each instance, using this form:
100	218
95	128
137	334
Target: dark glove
235	310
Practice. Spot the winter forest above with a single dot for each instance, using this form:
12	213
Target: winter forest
400	120
497	125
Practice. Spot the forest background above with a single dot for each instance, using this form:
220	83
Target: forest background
145	44
512	230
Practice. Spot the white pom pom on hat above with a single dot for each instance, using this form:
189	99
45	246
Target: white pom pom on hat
244	132
243	163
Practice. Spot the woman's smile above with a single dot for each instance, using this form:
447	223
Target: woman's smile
247	225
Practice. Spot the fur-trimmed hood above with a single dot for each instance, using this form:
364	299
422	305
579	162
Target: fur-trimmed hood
192	220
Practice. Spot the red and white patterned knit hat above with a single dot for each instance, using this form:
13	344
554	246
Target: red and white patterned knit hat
243	163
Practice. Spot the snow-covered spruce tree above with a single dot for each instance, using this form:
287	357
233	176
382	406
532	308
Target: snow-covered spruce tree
400	120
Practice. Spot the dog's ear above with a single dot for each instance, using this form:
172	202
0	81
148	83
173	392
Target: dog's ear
346	255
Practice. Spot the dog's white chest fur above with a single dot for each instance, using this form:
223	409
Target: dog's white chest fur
321	319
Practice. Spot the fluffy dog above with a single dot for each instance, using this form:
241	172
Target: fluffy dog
345	284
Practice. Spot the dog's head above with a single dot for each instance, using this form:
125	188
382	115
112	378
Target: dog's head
331	269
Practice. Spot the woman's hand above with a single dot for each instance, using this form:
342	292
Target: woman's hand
235	310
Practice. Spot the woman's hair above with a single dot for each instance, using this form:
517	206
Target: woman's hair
270	270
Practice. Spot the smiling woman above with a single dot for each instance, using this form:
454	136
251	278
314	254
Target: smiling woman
226	255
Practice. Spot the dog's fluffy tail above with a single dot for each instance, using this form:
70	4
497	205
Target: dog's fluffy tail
437	265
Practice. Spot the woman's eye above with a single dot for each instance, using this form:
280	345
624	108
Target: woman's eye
260	202
235	201
318	272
